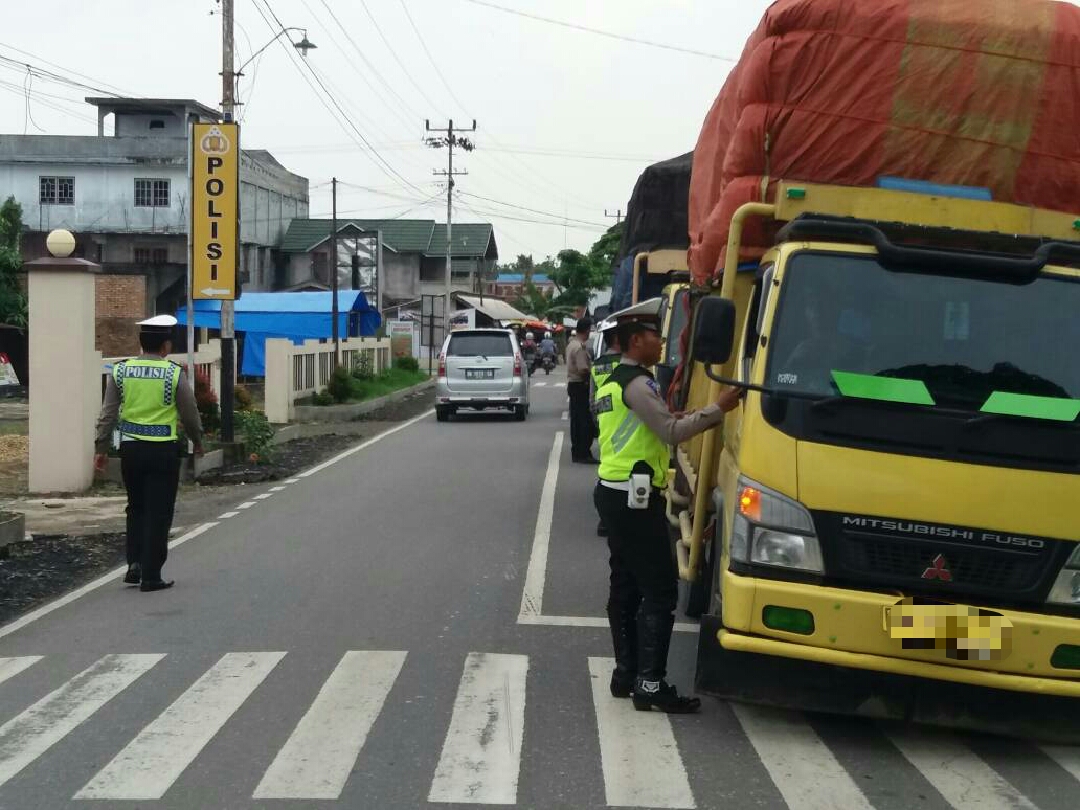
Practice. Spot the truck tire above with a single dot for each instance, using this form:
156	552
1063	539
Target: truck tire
694	597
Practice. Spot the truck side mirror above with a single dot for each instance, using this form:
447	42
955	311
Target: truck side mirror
714	330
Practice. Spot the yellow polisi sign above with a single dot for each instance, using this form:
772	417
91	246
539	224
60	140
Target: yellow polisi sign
214	213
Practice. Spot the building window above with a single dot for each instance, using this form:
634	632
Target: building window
157	123
151	255
57	190
152	193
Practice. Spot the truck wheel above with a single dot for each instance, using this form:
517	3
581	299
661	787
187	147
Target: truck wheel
695	596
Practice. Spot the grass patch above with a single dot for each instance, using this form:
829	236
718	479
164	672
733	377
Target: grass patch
390	380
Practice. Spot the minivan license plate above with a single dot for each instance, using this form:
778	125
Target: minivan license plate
479	374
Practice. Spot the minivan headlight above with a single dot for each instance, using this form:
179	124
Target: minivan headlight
1066	590
772	529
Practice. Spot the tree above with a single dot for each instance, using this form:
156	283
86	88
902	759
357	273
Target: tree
12	299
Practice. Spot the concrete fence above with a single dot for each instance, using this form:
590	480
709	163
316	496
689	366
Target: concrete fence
207	361
294	372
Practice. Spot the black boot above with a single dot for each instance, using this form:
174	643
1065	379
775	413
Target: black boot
133	575
623	625
651	690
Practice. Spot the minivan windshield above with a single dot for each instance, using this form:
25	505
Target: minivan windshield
965	339
480	344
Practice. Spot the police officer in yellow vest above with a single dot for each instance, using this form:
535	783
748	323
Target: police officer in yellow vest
636	434
145	398
600	370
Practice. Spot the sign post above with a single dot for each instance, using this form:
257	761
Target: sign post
215	238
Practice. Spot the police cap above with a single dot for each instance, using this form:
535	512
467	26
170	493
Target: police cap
158	325
643	316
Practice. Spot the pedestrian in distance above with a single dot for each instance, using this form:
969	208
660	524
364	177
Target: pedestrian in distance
577	388
145	397
636	434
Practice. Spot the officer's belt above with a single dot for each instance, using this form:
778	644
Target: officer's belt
621	485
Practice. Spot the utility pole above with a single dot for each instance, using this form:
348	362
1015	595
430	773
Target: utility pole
334	268
617	216
228	311
450	141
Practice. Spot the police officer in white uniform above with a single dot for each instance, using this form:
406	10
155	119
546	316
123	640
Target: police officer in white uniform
146	396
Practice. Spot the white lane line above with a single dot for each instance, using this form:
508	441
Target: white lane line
104	579
365	445
263	496
640	760
10	667
1067	756
958	774
481	756
560	385
539	384
565	415
532	596
150	763
292	481
246	505
26	737
590	621
319	755
227	515
278	489
802	767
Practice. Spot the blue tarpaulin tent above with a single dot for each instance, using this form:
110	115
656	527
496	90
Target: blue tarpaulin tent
298	316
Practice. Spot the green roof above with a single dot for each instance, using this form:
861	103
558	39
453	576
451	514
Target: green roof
423	236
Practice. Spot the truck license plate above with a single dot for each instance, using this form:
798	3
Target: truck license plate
962	633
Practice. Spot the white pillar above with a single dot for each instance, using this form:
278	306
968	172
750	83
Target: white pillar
65	374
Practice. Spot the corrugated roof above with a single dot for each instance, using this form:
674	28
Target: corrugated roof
469	240
492	307
401	235
519	278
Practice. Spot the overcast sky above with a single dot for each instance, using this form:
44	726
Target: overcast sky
566	119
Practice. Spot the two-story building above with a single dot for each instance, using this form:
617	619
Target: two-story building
510	286
414	256
125	197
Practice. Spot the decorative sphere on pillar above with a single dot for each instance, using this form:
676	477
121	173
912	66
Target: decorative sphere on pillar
61	243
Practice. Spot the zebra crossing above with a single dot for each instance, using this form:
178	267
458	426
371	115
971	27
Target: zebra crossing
645	760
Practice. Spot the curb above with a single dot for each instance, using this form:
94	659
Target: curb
347	413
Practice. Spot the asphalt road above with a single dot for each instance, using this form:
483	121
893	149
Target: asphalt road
419	621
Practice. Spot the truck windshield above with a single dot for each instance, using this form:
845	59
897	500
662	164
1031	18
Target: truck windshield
964	339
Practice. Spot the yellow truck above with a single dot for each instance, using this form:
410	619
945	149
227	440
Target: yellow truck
889	525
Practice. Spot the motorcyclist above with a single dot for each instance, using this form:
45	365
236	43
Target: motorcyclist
547	346
528	351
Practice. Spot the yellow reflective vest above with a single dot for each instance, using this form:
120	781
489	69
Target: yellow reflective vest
148	399
624	438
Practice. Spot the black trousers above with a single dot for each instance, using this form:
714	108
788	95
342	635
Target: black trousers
151	472
644	580
581	422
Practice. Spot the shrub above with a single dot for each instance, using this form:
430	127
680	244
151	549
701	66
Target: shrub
256	433
365	368
407	363
322	398
338	387
207	402
242	400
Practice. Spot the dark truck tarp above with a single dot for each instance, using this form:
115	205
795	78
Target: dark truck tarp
656	218
298	316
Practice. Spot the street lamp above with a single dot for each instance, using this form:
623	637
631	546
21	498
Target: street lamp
304	45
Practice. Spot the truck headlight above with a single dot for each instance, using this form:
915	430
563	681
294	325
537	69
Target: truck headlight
771	529
1066	590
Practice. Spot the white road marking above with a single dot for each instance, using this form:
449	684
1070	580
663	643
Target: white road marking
227	515
956	772
246	505
560	385
104	579
589	621
802	767
292	481
640	760
565	415
26	737
263	496
481	756
10	667
532	596
539	384
319	755
365	445
1067	756
278	489
150	763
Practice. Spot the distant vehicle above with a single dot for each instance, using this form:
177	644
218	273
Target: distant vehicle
547	362
481	369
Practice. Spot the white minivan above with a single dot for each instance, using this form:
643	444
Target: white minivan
481	369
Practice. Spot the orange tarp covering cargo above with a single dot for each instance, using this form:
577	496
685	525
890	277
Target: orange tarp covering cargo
968	92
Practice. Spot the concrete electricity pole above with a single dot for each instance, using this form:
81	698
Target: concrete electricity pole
334	270
228	344
617	216
450	141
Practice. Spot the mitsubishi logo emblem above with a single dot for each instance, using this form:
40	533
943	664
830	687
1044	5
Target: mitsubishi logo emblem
939	569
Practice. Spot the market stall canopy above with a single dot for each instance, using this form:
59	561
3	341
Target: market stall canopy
295	315
492	307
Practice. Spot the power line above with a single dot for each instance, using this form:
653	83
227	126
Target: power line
431	58
393	53
61	67
535	211
49	75
602	33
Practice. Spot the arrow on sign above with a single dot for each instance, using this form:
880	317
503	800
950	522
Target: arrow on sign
214	293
